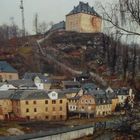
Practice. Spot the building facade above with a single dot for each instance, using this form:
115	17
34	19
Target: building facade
84	19
39	105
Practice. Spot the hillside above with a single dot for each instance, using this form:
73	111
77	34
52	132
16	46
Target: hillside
94	52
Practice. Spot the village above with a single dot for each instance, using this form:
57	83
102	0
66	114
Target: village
69	81
41	97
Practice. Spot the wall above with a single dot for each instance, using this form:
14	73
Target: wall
69	133
103	109
82	22
114	104
6	107
86	104
58	134
9	76
44	111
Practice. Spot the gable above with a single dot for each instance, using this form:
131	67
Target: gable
53	95
87	99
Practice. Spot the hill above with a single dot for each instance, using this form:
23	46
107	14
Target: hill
116	62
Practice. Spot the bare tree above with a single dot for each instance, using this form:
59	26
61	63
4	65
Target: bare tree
43	26
125	16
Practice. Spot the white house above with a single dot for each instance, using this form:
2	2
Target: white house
123	94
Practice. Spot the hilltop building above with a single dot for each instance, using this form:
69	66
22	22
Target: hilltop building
83	18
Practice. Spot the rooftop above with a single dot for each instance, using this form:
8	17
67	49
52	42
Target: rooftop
84	8
6	67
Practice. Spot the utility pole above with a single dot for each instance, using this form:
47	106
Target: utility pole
23	21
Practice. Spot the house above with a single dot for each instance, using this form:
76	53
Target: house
39	105
7	72
82	106
103	103
22	84
114	98
70	84
90	104
123	94
83	18
43	82
5	104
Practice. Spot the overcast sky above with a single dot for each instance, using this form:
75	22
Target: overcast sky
48	10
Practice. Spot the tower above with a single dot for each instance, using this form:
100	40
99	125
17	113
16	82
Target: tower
23	20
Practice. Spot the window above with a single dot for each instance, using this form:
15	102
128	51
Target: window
26	102
61	116
53	108
61	101
46	101
35	110
46	108
53	101
27	110
60	108
34	102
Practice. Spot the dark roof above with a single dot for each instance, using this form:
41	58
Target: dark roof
122	91
84	8
71	83
58	26
6	94
33	94
60	94
100	96
71	90
31	76
111	95
22	83
6	67
29	95
89	86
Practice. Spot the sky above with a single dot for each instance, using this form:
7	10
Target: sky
48	10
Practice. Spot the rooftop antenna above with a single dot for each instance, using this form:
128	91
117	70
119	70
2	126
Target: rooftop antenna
23	21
